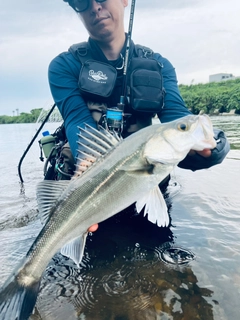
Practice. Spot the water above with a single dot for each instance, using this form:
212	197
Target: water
129	270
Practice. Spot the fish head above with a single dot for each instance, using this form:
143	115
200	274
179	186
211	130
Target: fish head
173	140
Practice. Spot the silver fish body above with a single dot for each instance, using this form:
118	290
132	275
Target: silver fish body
125	173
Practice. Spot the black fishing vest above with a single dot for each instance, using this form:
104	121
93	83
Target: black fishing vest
101	82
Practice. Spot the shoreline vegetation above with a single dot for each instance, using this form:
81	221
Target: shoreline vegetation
215	98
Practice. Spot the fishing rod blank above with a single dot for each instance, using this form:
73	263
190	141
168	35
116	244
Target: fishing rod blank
126	59
113	120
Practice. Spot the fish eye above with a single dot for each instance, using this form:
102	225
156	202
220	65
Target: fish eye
182	127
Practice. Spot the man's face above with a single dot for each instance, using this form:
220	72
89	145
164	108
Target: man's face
104	20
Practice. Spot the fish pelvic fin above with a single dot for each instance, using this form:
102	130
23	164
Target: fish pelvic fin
17	301
75	249
92	145
155	207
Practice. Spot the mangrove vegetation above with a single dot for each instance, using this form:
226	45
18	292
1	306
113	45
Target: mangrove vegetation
213	97
23	117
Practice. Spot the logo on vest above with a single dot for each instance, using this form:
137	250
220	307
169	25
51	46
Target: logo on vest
98	77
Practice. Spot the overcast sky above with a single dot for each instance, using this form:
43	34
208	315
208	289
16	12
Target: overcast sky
199	37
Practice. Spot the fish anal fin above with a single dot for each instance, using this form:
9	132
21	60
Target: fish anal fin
155	207
75	249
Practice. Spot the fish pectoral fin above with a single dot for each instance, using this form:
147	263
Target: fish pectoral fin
75	249
155	207
48	193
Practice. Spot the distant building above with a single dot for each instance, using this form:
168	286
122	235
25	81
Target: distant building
221	77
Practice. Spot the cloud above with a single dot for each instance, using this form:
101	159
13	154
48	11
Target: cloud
32	36
199	40
199	37
168	5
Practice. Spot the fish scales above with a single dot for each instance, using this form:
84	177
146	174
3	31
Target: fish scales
98	188
129	172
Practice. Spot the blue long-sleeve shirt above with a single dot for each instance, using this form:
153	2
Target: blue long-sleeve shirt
63	80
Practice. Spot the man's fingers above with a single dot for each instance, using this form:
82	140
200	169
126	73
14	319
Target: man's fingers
93	228
204	153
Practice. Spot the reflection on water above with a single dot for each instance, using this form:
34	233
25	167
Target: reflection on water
125	277
138	289
131	268
231	125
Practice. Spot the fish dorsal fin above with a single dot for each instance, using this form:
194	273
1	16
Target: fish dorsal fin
48	193
155	207
75	248
93	144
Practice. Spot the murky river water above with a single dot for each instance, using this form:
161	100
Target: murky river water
124	274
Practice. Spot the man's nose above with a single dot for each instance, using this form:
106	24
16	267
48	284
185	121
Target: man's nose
95	6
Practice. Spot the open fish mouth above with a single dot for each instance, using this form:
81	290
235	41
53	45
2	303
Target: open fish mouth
204	129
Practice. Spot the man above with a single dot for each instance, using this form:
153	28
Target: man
104	21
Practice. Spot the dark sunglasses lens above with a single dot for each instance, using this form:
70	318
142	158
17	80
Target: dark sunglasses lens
79	5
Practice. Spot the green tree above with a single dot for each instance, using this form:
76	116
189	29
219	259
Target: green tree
22	118
222	96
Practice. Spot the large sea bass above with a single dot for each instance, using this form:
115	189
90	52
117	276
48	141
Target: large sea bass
123	172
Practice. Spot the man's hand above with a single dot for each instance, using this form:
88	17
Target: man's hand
204	153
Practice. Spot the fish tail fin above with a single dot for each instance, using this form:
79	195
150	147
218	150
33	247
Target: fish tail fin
17	301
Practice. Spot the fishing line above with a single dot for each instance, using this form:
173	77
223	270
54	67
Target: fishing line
30	144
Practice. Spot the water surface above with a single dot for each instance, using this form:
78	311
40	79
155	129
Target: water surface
124	274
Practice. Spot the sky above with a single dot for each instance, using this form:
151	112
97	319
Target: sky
199	37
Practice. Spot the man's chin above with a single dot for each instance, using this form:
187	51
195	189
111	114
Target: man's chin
103	35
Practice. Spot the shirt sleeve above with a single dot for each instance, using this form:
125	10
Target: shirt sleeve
63	74
219	153
174	106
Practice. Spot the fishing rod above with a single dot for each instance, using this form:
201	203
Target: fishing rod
32	141
126	59
114	115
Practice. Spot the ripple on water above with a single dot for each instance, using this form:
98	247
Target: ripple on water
133	282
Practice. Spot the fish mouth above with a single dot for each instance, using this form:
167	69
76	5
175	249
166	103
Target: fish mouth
204	124
207	128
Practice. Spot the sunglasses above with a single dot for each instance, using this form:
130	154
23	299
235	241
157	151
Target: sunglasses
80	5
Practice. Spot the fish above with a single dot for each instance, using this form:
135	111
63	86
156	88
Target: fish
111	174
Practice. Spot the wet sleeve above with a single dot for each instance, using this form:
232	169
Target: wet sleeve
63	74
197	162
174	108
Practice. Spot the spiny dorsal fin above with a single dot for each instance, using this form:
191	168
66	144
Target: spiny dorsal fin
48	193
92	145
101	137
